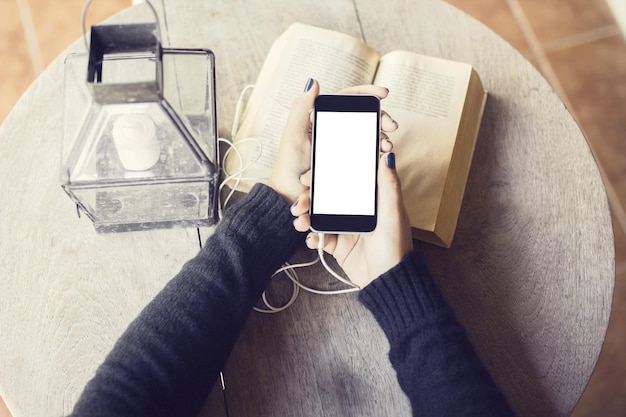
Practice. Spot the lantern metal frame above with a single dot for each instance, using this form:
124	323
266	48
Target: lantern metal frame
187	199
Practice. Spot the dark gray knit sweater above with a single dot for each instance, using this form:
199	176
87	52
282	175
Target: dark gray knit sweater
164	363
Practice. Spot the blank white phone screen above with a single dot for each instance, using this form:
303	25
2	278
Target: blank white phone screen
346	153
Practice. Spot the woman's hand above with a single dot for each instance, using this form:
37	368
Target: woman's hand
294	153
364	257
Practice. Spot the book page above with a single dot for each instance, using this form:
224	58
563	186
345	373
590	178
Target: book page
334	59
426	98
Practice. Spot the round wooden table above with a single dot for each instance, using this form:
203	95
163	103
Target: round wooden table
530	274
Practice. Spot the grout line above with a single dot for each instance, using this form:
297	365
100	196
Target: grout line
614	201
618	214
582	38
537	50
618	7
31	37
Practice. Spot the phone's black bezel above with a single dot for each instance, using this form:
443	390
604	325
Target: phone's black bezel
339	223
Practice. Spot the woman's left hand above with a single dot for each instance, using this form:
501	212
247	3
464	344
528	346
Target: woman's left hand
294	152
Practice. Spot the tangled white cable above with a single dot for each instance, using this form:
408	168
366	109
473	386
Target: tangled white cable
238	176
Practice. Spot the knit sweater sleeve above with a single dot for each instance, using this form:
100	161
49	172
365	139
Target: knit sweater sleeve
436	366
167	360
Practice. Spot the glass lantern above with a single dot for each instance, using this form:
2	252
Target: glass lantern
140	137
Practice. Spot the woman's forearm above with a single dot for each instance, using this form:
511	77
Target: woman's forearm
436	365
169	357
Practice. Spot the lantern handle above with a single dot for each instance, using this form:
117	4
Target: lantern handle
83	15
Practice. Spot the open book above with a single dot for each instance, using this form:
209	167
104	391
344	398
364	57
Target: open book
437	103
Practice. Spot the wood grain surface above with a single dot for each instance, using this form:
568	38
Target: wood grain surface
530	273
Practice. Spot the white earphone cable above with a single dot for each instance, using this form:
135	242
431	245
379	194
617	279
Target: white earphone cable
238	176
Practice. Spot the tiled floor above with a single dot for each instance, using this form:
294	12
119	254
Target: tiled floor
575	43
34	32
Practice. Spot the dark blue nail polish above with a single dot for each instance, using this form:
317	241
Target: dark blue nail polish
308	85
391	160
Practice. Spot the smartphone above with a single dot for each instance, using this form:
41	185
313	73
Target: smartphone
344	164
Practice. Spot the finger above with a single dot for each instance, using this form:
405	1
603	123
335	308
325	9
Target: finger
312	240
385	145
330	242
388	124
299	119
294	152
380	92
301	206
391	204
389	175
302	223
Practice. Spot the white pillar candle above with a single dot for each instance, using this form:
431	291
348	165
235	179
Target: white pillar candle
136	142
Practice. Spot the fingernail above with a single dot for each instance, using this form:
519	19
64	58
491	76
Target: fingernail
396	123
295	203
391	160
309	84
390	143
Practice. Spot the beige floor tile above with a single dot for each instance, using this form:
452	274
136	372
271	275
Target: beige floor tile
4	411
593	77
556	19
496	15
57	22
53	24
16	70
620	248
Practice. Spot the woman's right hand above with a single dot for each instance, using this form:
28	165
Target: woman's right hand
366	256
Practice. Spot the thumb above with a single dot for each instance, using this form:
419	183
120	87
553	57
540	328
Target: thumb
294	151
299	115
392	215
390	188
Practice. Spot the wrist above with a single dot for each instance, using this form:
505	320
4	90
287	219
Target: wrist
289	192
